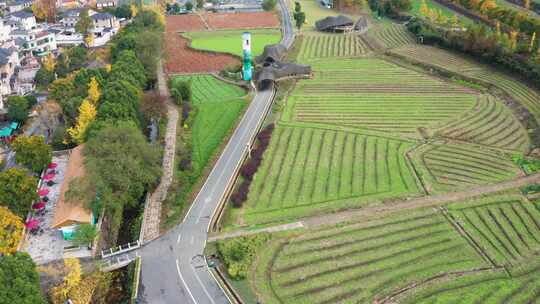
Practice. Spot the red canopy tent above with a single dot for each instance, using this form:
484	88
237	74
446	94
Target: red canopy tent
39	205
43	191
32	223
52	166
48	177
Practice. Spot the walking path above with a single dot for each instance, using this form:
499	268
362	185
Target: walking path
379	211
152	209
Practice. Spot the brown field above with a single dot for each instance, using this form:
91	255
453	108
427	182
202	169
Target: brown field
183	60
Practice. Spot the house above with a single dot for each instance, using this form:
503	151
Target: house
18	5
104	20
101	4
5	30
102	36
72	16
68	36
9	61
23	20
38	43
68	215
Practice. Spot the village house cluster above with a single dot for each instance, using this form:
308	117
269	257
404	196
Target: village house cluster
24	41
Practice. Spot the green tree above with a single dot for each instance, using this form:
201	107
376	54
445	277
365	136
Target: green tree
19	280
299	18
44	77
17	190
17	108
189	6
85	234
120	101
85	23
200	3
128	68
32	152
62	89
269	5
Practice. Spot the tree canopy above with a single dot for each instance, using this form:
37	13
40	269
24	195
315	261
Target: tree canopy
32	152
17	190
17	108
19	280
11	231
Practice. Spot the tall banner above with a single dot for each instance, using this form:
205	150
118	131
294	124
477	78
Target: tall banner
246	48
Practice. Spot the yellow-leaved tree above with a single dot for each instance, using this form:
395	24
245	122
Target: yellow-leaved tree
513	40
39	10
72	281
93	91
49	62
87	114
134	10
11	227
487	6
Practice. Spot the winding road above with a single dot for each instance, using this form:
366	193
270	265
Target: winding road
174	269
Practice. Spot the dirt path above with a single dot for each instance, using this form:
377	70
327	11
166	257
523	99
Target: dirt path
152	211
380	211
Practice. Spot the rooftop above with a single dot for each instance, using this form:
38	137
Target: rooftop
68	213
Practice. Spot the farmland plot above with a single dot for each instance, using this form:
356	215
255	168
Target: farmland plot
507	229
392	35
490	123
527	96
450	167
485	287
312	168
361	262
374	94
318	46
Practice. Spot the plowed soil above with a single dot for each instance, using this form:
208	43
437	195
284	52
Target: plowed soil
183	60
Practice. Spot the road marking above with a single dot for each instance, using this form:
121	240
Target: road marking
184	282
202	285
192	239
178	239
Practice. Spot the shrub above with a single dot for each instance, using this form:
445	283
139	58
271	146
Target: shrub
269	5
185	164
186	109
238	253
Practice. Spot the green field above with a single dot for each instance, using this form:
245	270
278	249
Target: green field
390	35
230	41
362	261
373	94
314	12
218	106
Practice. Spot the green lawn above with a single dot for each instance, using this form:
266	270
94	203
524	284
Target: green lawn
230	41
218	106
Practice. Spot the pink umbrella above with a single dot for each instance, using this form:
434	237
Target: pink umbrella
52	165
32	223
43	192
39	205
48	177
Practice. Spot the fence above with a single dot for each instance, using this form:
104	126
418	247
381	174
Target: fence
120	249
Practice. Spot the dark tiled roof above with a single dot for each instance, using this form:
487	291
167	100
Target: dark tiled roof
101	16
4	55
22	14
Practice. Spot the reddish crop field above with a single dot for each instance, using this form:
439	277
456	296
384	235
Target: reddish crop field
242	20
183	60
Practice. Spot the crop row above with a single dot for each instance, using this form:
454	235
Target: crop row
439	57
452	166
377	258
304	166
490	123
506	230
331	45
484	287
394	35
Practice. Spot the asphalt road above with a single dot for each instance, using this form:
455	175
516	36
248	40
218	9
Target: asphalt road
174	269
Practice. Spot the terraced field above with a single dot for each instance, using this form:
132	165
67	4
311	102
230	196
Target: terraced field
507	230
374	94
361	262
485	287
307	170
316	46
489	123
448	167
525	95
392	35
218	106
